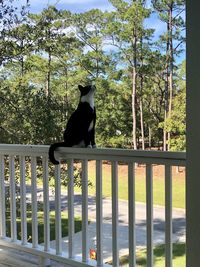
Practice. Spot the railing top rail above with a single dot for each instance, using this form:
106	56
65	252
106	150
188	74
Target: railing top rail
27	150
126	155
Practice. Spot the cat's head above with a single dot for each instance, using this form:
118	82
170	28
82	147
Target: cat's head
87	94
87	90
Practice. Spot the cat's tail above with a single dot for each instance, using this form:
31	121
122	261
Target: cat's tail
52	148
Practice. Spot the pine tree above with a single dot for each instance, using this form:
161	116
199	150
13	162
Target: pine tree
170	12
125	29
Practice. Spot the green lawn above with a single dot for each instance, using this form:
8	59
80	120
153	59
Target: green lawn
178	184
159	257
140	184
64	221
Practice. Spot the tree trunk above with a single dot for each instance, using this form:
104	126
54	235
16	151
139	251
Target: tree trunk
166	113
22	66
97	61
170	105
149	137
142	124
134	108
48	86
170	70
141	96
165	109
165	133
22	59
66	101
134	86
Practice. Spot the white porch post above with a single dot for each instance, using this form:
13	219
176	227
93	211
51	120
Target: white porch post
193	134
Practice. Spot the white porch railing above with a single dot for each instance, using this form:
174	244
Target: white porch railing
22	153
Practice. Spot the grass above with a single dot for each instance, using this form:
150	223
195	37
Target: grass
140	184
64	222
178	183
159	257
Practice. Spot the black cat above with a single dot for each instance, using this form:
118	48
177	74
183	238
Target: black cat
80	129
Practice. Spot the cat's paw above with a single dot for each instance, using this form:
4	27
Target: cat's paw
94	146
89	146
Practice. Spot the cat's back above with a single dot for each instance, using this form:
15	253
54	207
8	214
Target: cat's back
83	114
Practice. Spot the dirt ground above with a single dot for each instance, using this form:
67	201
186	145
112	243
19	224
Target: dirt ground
178	173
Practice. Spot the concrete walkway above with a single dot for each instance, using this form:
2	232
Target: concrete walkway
159	226
11	257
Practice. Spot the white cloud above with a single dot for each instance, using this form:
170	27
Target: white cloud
72	5
73	1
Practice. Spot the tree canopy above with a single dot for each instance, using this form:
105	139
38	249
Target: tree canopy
140	98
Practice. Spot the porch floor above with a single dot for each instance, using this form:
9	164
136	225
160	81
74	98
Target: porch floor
15	258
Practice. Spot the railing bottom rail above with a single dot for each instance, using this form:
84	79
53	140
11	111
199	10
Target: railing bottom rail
47	255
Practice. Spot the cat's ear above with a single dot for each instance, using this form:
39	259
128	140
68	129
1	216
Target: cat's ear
80	87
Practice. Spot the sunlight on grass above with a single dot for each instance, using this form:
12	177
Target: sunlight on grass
159	257
64	222
140	184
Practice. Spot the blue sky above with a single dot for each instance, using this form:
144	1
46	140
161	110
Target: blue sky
72	5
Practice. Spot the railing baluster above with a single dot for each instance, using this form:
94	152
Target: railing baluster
149	214
2	199
115	214
168	215
23	200
71	206
34	202
12	199
85	210
46	204
99	219
114	156
58	210
131	213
